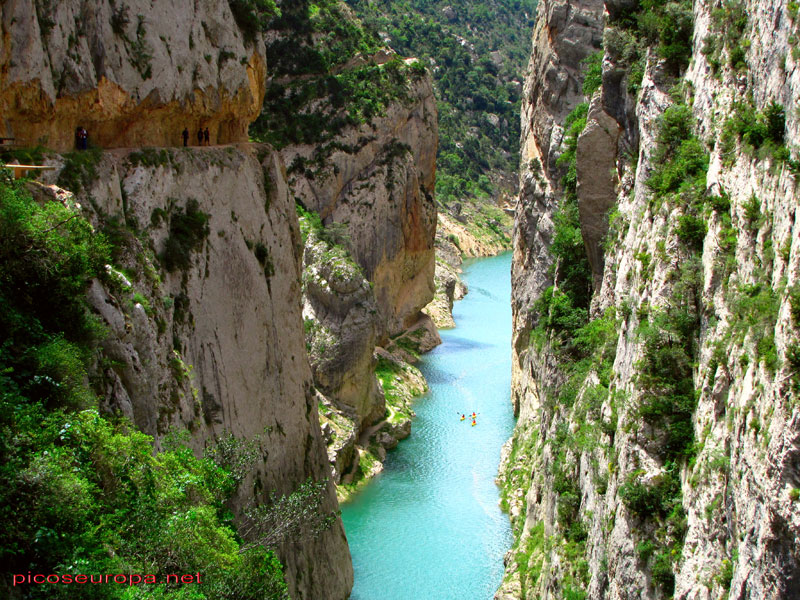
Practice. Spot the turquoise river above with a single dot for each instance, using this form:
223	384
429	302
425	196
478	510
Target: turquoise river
429	526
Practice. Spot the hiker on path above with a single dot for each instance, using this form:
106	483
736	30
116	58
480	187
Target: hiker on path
207	137
185	136
83	139
200	137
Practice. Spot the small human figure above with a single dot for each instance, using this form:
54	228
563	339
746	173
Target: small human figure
462	417
83	137
185	136
200	137
78	137
206	137
474	422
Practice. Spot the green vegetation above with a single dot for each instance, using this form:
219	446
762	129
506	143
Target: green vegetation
754	311
84	493
151	157
593	77
263	257
390	376
80	169
486	222
25	156
141	54
188	229
253	16
312	96
530	557
478	52
670	338
680	160
564	307
336	240
665	26
728	27
316	110
759	134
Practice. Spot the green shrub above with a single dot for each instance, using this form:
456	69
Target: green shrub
593	76
87	494
666	375
80	169
729	22
687	167
761	133
188	229
645	550
662	571
754	311
691	231
150	157
666	25
253	16
653	500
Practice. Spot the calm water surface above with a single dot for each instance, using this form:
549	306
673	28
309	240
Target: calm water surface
429	527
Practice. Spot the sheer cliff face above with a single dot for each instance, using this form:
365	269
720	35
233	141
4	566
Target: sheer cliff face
381	186
565	34
210	338
682	481
374	193
132	74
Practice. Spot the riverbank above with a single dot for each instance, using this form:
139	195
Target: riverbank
468	231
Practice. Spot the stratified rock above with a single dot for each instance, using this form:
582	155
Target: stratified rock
382	188
597	182
215	344
132	74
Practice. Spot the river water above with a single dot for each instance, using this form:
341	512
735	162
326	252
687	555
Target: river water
429	526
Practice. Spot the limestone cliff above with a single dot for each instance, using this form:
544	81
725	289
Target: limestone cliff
657	448
565	34
205	328
358	132
133	73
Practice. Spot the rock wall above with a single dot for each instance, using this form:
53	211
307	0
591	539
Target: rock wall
380	185
133	74
599	505
565	34
209	337
369	262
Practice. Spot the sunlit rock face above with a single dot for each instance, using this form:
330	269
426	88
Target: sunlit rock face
132	74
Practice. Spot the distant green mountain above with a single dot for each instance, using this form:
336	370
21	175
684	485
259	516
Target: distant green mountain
477	52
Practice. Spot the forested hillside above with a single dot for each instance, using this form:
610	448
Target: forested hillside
477	52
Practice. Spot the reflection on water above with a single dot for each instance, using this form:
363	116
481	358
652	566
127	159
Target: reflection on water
429	526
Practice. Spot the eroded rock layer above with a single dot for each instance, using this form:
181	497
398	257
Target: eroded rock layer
657	452
133	74
205	327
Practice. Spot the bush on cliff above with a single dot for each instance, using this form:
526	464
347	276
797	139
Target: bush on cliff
84	493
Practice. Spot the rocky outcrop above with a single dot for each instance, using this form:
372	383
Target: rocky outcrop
380	184
663	462
342	322
133	74
597	181
565	34
363	177
205	327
